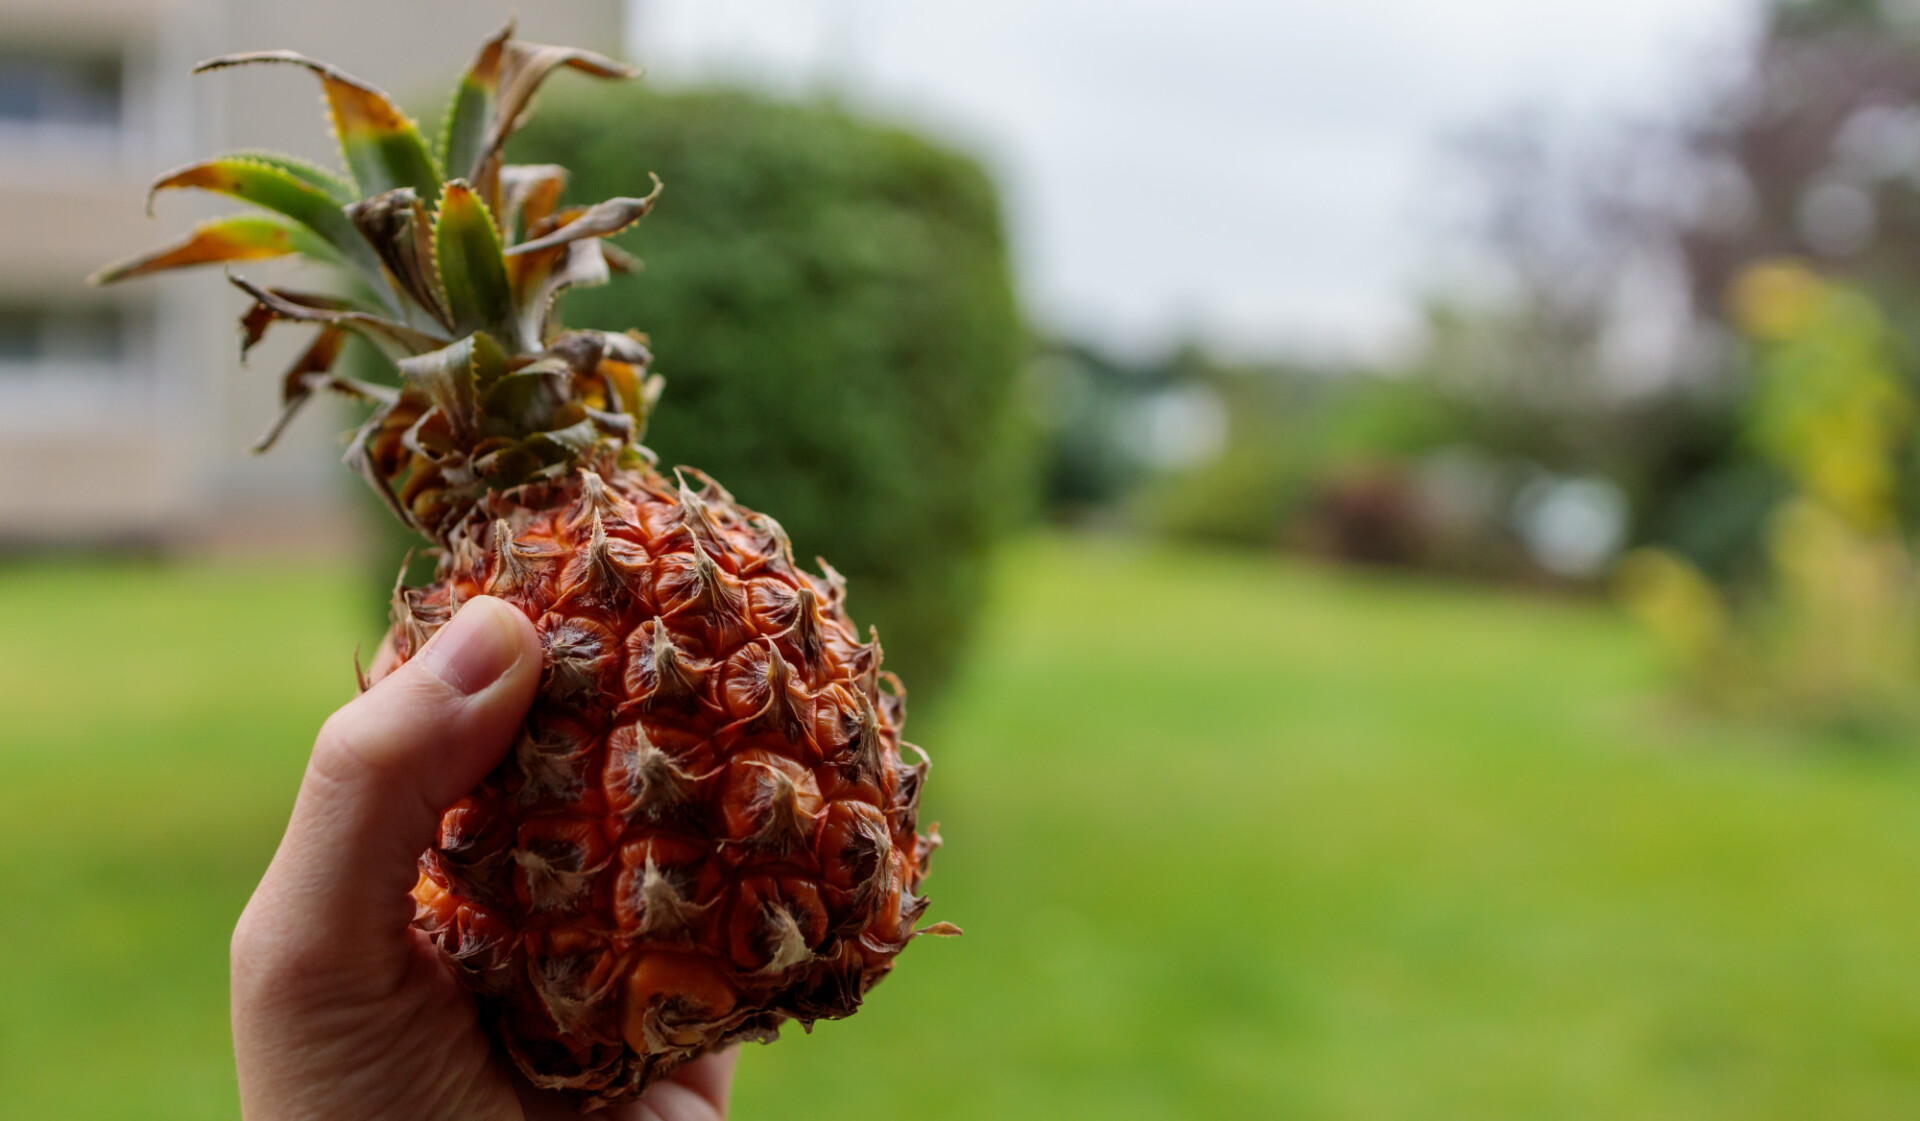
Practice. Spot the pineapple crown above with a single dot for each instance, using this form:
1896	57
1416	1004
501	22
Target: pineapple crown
453	279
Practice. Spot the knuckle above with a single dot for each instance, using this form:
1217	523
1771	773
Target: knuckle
345	752
270	959
259	951
245	950
370	738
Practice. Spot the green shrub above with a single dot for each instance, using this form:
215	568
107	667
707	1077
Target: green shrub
1290	435
830	303
1829	632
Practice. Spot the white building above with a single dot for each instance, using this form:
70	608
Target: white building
124	413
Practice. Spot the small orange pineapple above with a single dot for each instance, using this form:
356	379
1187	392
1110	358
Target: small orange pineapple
706	826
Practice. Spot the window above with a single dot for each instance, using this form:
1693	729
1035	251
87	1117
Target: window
60	92
63	364
56	344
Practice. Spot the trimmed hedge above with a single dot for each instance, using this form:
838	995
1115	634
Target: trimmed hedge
831	305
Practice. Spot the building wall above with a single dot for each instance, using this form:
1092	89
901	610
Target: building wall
149	443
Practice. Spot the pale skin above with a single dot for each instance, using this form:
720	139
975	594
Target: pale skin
340	1009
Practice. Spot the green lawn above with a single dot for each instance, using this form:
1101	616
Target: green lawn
1230	838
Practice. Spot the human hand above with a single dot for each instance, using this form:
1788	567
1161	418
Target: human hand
340	1008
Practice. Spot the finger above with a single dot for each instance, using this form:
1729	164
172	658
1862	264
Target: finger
697	1091
385	766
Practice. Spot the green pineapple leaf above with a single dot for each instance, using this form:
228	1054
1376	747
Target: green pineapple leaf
473	272
451	378
252	236
336	188
560	445
496	95
380	143
464	132
266	185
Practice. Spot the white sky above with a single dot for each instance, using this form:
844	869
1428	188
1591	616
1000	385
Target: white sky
1248	169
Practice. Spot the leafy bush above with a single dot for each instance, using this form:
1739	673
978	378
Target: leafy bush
1294	439
831	305
1830	632
1082	398
1248	493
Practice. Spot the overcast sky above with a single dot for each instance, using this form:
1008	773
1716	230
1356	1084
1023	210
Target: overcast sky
1249	169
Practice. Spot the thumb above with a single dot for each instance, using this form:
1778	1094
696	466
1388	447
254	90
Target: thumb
389	763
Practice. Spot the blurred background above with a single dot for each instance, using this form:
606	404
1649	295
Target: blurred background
1399	519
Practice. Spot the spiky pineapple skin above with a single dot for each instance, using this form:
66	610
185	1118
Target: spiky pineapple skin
706	826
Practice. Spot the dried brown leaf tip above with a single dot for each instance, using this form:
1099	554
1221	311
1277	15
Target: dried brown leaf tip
517	566
644	783
597	500
575	973
785	711
831	585
863	754
660	904
552	756
772	803
660	674
417	618
557	861
697	517
581	654
807	638
607	573
856	852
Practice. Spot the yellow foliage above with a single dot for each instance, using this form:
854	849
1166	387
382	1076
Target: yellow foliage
1836	630
1775	299
1672	599
1829	406
1845	599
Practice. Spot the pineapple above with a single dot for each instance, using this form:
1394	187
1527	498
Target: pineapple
707	825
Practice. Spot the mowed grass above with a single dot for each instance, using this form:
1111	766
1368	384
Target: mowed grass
1230	838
